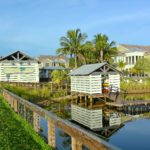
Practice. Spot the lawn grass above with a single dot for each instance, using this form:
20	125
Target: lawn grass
16	133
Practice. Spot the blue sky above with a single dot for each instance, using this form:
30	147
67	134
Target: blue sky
35	26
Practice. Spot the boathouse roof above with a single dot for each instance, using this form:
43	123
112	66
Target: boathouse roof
17	56
91	68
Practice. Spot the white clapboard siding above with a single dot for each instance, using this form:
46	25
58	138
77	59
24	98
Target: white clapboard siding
89	118
114	82
32	77
114	121
86	84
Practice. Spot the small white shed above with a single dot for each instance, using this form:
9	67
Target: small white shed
92	78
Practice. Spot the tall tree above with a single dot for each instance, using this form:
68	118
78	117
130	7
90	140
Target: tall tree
86	54
121	65
142	66
72	43
103	48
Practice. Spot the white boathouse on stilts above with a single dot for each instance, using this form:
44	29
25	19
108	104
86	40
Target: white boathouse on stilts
92	81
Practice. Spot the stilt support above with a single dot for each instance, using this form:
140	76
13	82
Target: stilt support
51	134
36	123
76	144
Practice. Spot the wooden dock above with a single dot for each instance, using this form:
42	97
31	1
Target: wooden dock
128	103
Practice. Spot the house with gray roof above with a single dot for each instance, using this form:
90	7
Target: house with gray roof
52	61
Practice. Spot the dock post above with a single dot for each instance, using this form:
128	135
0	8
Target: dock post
51	134
86	102
36	124
91	101
76	144
15	105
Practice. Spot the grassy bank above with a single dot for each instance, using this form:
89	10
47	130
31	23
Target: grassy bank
16	133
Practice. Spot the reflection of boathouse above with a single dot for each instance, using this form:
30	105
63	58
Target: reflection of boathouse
18	67
90	82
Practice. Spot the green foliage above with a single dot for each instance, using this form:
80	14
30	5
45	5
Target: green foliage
16	133
30	94
104	49
135	85
142	66
71	63
86	52
59	76
121	65
72	43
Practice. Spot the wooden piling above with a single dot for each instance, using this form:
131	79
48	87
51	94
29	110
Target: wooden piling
51	134
36	124
76	144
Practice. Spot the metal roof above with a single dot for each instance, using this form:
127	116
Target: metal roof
54	68
87	69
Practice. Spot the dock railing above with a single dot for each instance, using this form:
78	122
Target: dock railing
79	136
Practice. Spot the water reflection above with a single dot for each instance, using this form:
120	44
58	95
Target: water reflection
134	135
115	128
63	140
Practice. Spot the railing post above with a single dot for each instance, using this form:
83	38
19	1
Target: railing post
51	134
76	144
15	105
36	124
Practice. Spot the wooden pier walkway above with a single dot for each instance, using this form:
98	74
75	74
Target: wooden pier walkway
122	103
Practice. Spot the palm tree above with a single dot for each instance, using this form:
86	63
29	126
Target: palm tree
86	54
142	66
72	43
121	65
104	49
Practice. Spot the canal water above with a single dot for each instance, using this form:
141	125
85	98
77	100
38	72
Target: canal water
134	135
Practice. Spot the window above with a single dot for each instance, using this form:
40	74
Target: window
126	60
46	64
136	58
132	59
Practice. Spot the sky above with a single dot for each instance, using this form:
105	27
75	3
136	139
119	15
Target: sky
35	26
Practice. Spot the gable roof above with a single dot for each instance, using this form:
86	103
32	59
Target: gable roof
18	56
51	58
90	68
133	48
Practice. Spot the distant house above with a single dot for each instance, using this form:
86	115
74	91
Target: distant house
45	73
49	63
19	67
130	54
52	61
95	78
